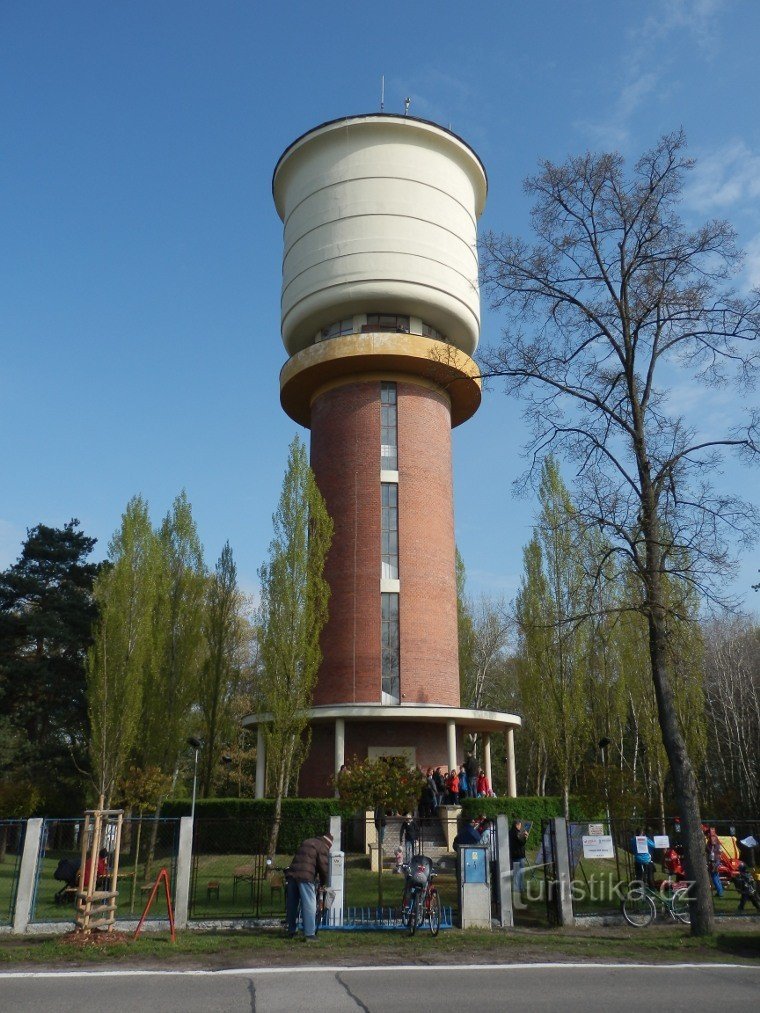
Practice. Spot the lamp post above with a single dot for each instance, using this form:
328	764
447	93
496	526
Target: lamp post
196	745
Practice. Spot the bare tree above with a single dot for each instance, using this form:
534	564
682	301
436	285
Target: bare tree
732	704
617	298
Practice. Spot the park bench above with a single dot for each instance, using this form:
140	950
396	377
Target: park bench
251	872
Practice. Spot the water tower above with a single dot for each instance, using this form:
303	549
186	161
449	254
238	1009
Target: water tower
380	318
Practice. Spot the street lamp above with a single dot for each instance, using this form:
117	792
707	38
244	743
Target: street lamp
196	745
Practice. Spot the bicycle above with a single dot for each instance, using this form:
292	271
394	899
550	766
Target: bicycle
641	904
420	901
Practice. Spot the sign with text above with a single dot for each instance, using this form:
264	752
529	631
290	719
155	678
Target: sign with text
598	846
596	829
642	846
661	841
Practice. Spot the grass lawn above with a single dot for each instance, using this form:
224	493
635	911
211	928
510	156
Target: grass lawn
264	948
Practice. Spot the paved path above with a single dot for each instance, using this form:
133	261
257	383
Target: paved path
382	990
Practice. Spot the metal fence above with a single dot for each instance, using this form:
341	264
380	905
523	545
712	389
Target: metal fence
147	845
11	846
603	864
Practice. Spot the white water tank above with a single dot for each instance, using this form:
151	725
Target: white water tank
380	216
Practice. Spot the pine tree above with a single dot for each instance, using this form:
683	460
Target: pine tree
46	614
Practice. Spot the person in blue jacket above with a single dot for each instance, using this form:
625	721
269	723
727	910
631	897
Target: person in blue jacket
643	859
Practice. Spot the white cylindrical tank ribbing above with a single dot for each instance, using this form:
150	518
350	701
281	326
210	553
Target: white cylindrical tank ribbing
380	215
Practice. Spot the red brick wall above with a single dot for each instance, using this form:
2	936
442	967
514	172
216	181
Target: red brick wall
345	457
428	605
428	739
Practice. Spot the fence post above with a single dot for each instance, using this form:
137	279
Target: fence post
336	872
184	871
504	872
564	876
26	875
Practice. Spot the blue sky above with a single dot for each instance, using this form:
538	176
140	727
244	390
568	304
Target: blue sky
140	249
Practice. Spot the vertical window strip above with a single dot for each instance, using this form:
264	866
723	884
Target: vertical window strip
390	648
388	427
389	530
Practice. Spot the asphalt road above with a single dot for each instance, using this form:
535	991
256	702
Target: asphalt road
380	989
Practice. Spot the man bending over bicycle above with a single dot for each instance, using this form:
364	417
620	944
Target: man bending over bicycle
310	863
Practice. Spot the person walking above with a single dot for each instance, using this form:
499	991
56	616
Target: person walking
408	836
309	865
517	838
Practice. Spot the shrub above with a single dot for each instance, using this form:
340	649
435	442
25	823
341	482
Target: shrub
530	807
242	825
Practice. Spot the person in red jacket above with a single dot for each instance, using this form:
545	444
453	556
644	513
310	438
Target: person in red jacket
484	785
454	786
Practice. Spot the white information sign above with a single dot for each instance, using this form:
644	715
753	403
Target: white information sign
598	846
642	848
596	829
661	841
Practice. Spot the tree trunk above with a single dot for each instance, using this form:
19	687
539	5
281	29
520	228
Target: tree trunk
153	839
685	783
3	842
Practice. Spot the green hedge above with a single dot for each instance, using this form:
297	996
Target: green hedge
528	807
232	825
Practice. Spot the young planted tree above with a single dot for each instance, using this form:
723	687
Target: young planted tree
125	593
616	299
293	612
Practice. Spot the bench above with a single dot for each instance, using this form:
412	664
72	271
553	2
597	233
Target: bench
252	872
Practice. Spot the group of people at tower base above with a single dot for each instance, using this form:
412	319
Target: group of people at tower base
724	869
450	787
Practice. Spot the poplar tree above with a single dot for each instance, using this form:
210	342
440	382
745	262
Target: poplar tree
125	594
176	654
225	633
554	650
293	612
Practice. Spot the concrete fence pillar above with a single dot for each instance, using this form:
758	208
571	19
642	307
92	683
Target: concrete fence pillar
564	873
27	875
504	869
336	873
184	873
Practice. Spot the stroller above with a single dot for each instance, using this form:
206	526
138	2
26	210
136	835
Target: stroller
67	872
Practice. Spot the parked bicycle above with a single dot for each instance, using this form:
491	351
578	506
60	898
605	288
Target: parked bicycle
420	901
641	904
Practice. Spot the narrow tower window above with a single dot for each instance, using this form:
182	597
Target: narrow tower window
390	648
389	529
389	428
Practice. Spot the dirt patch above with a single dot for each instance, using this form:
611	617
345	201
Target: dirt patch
96	939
